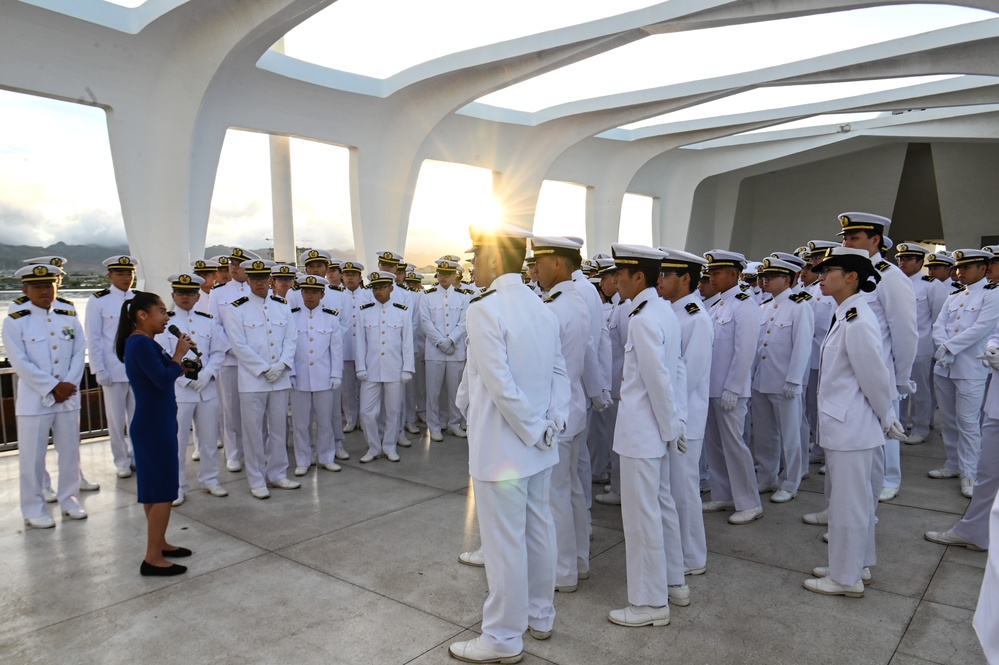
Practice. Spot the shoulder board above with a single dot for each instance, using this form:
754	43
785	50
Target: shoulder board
65	312
432	289
467	292
927	278
990	286
240	301
851	314
19	313
21	300
367	305
64	300
279	299
882	265
742	296
801	297
204	314
171	313
296	309
102	293
482	295
218	286
553	296
744	287
956	285
638	309
959	289
692	308
328	311
400	306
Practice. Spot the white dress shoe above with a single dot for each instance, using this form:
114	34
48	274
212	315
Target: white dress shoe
608	499
827	587
76	513
458	432
196	456
640	615
219	444
825	537
392	457
473	558
349	427
717	506
822	470
403	442
88	486
435	435
817	519
695	571
566	588
939	474
233	465
412	428
49	495
539	635
43	522
301	471
914	439
260	493
768	487
823	571
948	537
473	651
583	574
342	455
746	516
369	458
967	487
679	595
123	472
888	493
332	466
781	496
285	484
216	490
179	501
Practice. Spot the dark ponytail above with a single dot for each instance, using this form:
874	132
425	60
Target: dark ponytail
140	301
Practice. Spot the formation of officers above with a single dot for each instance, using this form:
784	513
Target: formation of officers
666	375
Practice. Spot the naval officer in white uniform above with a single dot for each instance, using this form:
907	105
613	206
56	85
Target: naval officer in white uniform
515	396
917	412
442	321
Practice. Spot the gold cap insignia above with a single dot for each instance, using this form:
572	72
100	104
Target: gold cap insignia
258	265
313	254
124	261
184	279
237	251
844	220
57	262
709	257
284	270
199	264
310	280
766	263
40	271
903	248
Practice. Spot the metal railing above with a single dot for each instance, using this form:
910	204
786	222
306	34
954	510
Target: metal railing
93	421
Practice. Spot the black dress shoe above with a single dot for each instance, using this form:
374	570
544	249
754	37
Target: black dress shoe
178	553
149	570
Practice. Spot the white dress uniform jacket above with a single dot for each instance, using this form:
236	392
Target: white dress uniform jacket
574	331
737	325
596	377
261	332
785	342
384	345
212	342
101	326
354	300
894	303
442	315
45	347
219	306
319	351
696	337
965	324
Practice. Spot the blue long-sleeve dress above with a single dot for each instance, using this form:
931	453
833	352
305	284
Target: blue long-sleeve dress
153	429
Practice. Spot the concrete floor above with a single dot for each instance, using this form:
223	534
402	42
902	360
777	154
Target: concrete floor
360	567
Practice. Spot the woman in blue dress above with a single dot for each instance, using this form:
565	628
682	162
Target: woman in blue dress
152	373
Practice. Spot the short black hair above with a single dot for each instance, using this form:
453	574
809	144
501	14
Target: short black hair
512	252
650	270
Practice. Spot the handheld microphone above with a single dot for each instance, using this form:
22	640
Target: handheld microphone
175	331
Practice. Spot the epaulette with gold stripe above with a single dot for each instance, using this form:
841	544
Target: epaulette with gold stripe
553	296
482	295
400	306
218	286
330	311
296	309
66	301
432	289
171	313
928	278
990	286
801	297
21	300
959	289
742	296
638	309
851	314
279	299
240	301
20	313
692	308
882	265
204	314
65	312
367	305
101	293
467	292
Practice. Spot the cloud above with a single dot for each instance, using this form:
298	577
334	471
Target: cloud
21	226
93	227
26	226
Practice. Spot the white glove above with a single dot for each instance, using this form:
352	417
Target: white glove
199	383
362	376
990	358
892	427
791	390
908	388
559	425
446	346
602	401
274	372
728	400
679	444
407	377
947	360
336	383
103	378
549	439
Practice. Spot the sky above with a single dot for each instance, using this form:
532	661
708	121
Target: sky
57	181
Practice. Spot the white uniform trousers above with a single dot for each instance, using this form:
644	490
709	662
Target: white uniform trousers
684	485
443	374
601	438
851	512
232	424
266	457
780	416
730	463
416	392
568	506
960	422
306	406
585	472
381	433
119	405
350	393
974	526
811	393
32	442
337	418
892	455
615	481
518	547
986	621
918	408
653	553
205	417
